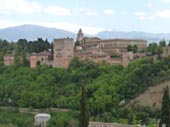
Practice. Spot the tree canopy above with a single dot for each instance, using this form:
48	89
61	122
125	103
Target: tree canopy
165	110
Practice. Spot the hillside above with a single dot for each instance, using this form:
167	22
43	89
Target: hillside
32	32
152	97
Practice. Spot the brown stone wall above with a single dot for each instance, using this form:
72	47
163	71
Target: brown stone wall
63	52
33	61
117	61
166	51
127	58
102	124
42	58
9	60
123	60
110	46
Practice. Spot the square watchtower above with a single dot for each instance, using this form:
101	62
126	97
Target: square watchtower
63	52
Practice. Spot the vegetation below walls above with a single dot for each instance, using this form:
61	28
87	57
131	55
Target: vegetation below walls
45	87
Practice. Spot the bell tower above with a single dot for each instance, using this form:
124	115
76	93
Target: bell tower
80	37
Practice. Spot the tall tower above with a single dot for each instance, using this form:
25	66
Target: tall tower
63	52
80	36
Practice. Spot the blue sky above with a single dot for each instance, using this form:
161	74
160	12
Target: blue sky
91	15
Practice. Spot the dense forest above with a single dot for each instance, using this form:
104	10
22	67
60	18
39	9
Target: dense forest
107	85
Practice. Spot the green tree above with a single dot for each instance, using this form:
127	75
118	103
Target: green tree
77	43
84	114
135	48
169	43
162	43
152	48
165	110
159	51
129	48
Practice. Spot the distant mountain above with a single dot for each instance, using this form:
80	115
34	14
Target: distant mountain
32	32
151	37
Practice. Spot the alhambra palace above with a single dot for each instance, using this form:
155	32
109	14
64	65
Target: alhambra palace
111	51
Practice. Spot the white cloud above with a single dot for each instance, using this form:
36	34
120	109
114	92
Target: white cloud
73	27
140	13
86	11
19	6
150	4
163	14
109	12
167	1
123	12
58	11
7	23
144	16
30	7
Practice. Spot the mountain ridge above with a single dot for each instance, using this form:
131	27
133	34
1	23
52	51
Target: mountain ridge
32	32
150	37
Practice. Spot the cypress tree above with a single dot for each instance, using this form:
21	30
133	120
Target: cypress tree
84	115
165	110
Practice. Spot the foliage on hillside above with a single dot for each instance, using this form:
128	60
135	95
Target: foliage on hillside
12	117
44	87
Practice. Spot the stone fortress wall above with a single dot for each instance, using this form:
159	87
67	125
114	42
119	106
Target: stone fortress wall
112	51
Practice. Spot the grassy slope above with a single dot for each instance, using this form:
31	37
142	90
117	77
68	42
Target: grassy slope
152	97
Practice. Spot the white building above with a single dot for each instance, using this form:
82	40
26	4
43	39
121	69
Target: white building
41	119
